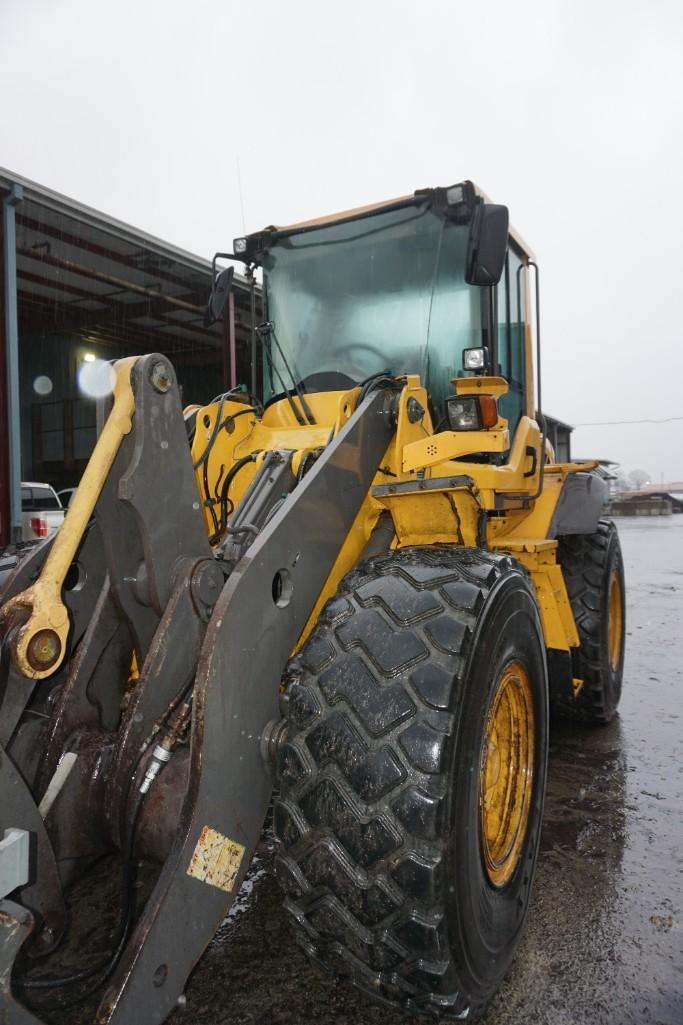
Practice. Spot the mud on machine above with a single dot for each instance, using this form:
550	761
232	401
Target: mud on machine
358	589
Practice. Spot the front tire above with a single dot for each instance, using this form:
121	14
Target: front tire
413	776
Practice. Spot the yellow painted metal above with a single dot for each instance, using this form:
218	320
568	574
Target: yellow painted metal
507	774
408	433
539	558
432	449
489	479
615	627
279	429
327	407
509	479
496	386
447	445
244	433
532	520
559	627
42	639
426	519
216	859
565	468
447	515
349	554
134	670
533	550
535	519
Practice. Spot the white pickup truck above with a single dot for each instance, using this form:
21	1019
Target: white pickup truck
41	515
41	511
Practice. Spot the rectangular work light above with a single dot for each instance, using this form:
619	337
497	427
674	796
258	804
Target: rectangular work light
475	359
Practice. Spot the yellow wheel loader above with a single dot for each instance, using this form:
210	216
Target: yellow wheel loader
356	590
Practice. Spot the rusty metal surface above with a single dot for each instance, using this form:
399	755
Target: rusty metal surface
16	924
27	569
128	565
43	895
247	644
216	860
161	811
91	695
76	822
149	590
16	692
152	474
168	670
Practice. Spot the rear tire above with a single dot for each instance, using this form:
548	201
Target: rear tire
594	574
395	875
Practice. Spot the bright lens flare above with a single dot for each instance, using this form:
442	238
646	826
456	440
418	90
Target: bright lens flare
42	385
96	378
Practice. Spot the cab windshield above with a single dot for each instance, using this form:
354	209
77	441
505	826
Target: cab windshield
385	292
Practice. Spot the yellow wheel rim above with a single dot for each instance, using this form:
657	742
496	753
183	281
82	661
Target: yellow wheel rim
615	628
507	769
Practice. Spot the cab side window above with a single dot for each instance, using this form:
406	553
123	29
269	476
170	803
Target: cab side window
511	319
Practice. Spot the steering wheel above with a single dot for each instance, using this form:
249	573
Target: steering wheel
342	361
361	345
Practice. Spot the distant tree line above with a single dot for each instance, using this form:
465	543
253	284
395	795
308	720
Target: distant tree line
634	481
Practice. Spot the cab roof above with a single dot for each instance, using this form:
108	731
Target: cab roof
391	204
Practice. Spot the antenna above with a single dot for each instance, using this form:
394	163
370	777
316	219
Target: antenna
239	185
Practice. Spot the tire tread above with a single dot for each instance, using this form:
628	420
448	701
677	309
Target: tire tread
584	561
376	689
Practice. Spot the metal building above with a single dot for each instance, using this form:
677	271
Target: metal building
77	288
559	436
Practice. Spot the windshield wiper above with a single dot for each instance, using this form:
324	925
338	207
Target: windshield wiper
266	331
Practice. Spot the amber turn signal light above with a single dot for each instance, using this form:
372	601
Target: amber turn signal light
489	410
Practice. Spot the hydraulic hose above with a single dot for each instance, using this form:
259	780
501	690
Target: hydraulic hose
229	478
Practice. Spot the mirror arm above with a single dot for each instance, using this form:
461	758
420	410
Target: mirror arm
240	257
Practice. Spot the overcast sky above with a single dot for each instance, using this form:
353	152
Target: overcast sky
568	112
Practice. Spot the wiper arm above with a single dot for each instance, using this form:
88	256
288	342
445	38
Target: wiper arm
263	330
268	329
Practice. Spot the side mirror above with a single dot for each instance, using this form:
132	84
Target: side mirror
222	283
487	244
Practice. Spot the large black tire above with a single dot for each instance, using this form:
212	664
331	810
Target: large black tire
379	815
592	567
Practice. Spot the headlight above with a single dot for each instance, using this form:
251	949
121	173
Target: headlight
239	246
463	413
471	412
474	359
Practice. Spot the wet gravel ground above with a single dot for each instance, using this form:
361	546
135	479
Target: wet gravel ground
604	939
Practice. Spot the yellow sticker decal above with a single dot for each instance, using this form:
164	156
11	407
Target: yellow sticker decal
216	859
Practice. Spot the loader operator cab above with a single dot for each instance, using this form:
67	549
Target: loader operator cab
408	286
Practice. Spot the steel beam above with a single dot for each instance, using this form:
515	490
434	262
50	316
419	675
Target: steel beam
9	241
